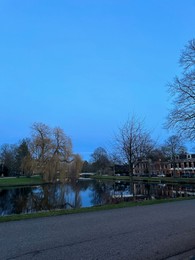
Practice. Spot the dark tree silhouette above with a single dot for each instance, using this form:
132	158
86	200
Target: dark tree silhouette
182	115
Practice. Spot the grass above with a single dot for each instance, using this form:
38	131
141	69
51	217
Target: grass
22	181
146	179
90	209
37	180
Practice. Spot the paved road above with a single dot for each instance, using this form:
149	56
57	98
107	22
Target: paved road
165	231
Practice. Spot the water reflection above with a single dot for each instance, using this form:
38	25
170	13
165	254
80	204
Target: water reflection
84	194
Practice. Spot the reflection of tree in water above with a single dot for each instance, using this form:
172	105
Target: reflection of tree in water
14	201
85	184
148	190
56	196
21	200
42	198
77	198
100	193
48	197
6	201
121	187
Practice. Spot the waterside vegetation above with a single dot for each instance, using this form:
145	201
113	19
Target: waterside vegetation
147	179
38	180
60	212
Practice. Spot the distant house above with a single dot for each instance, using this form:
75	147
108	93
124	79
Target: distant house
181	165
184	164
149	167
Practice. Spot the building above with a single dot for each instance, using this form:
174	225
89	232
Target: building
182	165
149	167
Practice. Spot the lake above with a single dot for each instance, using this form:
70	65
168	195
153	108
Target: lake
84	193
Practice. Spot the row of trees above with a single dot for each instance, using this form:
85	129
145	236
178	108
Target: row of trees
47	152
132	144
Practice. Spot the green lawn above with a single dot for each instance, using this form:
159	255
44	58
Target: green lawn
36	180
21	181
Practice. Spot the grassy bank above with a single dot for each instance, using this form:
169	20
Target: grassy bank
84	210
147	179
37	180
22	181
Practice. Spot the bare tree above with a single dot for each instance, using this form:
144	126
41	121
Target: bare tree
182	91
100	160
61	154
8	158
62	145
172	148
41	142
51	152
133	143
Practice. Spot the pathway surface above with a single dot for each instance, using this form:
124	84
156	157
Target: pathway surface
165	231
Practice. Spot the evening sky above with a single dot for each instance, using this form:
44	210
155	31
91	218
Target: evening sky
87	65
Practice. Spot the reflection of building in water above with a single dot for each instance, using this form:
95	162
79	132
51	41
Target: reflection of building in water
142	190
182	165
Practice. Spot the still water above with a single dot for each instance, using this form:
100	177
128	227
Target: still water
84	193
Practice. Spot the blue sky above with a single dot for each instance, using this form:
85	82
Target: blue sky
87	65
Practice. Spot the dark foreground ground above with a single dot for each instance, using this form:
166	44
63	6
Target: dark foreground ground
164	231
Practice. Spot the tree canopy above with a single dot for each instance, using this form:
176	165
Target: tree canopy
182	91
47	152
133	142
